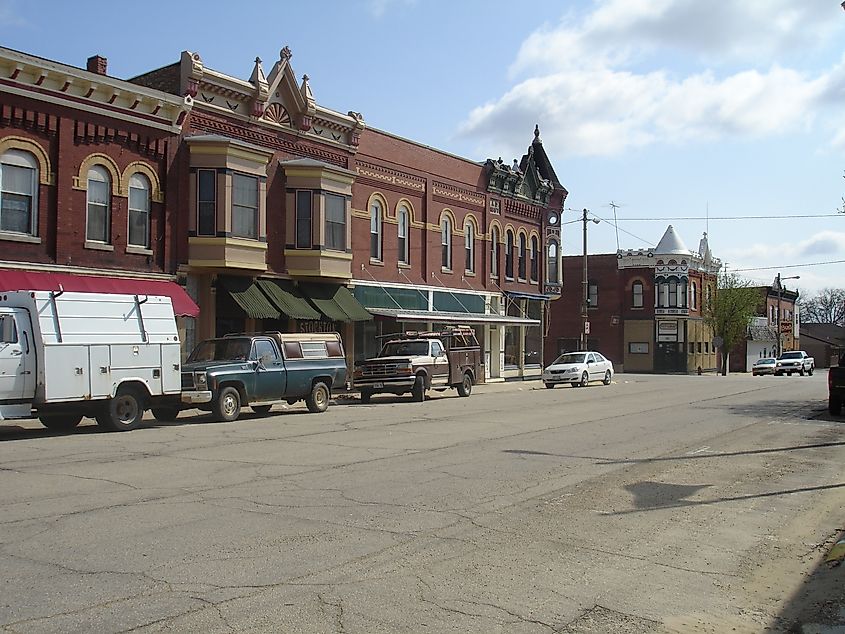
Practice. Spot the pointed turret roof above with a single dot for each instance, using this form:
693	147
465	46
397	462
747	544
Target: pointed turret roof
671	244
541	160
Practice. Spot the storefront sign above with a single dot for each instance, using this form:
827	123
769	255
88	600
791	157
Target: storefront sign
316	326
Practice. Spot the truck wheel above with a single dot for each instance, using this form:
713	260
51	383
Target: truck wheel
228	405
465	388
549	386
366	395
801	371
60	422
165	414
810	371
318	400
418	391
834	405
261	410
123	412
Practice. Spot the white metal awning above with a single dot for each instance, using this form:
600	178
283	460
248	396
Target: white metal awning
443	317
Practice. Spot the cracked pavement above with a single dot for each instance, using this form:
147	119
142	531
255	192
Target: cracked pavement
657	504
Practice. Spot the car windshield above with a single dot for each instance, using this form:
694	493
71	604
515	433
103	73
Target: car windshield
404	348
571	357
790	355
235	349
765	362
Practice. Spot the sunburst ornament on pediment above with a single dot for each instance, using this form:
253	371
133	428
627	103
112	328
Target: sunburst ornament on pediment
276	113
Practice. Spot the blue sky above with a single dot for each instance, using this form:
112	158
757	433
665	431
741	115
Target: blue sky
676	110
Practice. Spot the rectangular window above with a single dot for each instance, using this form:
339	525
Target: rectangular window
706	347
593	294
98	211
699	347
638	295
244	206
314	349
16	204
303	219
335	222
691	347
206	202
139	216
535	263
638	347
402	233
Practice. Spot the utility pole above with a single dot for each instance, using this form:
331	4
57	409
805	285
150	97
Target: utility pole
585	299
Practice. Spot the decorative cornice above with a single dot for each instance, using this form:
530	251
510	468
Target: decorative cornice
383	175
459	194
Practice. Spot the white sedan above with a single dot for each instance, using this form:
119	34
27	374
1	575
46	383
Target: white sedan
578	369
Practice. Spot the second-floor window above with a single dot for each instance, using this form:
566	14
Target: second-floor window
139	211
554	274
509	254
693	299
18	192
98	222
446	243
593	293
376	216
304	212
494	252
244	206
637	295
335	222
403	255
206	202
535	258
673	292
522	255
469	246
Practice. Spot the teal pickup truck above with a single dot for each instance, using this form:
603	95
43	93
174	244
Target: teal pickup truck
262	369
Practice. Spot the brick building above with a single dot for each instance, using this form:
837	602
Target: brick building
85	199
762	338
296	217
645	307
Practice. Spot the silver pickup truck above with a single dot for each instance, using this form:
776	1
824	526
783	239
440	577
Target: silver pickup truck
795	361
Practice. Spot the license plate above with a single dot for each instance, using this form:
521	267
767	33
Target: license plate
378	386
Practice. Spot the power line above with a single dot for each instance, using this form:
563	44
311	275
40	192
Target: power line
788	266
649	242
706	218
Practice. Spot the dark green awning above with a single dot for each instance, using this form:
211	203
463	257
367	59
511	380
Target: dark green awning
287	299
335	302
249	297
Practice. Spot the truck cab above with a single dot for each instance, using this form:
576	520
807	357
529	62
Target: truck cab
262	369
17	364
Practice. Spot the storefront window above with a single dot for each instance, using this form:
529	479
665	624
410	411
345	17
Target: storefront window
533	335
512	335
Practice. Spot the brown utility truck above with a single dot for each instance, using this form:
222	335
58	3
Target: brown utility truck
419	361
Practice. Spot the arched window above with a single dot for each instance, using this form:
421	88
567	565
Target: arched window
376	217
693	298
446	243
139	211
19	192
673	292
554	276
469	245
637	295
494	252
682	293
98	224
402	233
522	255
535	258
509	254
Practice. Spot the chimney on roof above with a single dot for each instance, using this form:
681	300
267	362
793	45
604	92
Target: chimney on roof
98	64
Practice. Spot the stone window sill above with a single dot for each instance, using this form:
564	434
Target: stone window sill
98	246
19	237
139	250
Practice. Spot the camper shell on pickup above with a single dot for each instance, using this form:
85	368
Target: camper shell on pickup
262	369
416	361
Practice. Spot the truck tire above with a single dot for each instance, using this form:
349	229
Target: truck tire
418	391
261	410
549	386
801	371
810	371
60	422
124	412
465	388
366	395
227	407
318	400
834	405
165	414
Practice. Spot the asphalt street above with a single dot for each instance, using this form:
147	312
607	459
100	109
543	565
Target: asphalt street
655	504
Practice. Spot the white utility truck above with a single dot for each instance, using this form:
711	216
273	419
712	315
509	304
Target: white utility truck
66	355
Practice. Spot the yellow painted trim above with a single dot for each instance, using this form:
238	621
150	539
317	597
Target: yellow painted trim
260	158
45	176
318	273
226	264
331	255
80	181
156	194
233	242
321	173
498	225
411	213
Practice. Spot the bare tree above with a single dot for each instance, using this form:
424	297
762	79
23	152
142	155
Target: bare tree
730	311
825	307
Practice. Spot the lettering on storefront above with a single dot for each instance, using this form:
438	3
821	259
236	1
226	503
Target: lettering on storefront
316	326
671	311
667	330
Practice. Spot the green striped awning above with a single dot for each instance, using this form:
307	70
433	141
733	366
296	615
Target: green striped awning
249	297
336	302
287	299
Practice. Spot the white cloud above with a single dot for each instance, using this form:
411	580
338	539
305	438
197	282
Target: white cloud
600	83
